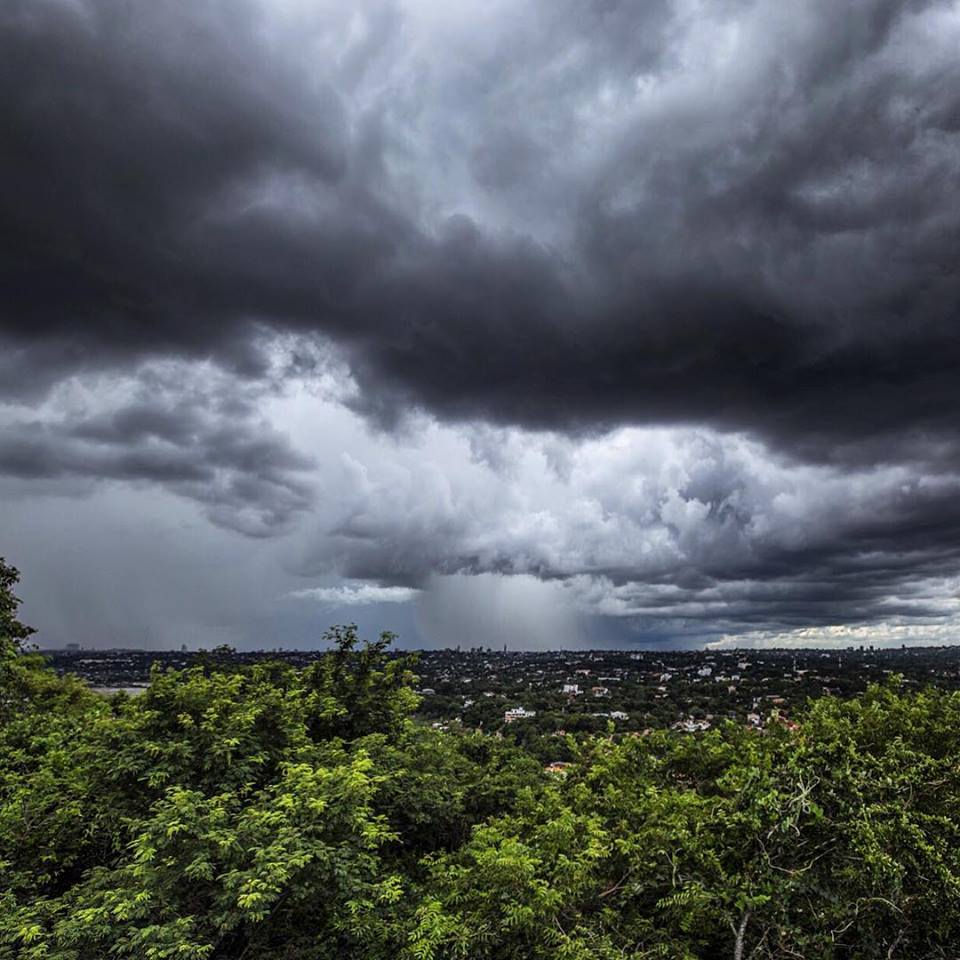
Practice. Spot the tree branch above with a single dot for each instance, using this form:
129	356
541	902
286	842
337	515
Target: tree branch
741	932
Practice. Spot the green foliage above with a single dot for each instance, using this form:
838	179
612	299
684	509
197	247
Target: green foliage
26	688
12	631
226	812
244	813
838	841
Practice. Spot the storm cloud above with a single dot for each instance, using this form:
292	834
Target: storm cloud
657	303
190	431
674	531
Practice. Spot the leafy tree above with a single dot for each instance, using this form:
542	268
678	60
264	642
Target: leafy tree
257	811
11	629
237	812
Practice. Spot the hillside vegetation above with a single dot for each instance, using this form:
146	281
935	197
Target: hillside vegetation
243	813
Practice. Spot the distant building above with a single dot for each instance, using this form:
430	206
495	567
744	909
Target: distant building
600	691
571	689
619	715
518	713
689	725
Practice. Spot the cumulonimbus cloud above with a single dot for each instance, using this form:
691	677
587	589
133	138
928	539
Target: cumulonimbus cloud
567	232
743	216
183	427
686	531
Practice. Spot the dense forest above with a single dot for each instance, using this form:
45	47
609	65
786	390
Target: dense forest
245	812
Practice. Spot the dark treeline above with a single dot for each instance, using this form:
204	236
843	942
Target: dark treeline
237	812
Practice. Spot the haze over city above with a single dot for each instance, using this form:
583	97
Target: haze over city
543	324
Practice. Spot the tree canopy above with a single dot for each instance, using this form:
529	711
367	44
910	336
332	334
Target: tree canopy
246	813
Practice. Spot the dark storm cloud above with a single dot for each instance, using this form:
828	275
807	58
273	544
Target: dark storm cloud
551	215
197	437
763	240
677	533
124	125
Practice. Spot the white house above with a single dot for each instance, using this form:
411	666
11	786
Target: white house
518	713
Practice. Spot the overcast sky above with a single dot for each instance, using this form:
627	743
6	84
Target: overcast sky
538	322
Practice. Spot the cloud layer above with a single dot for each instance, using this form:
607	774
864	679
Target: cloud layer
185	428
360	595
558	214
678	531
654	303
